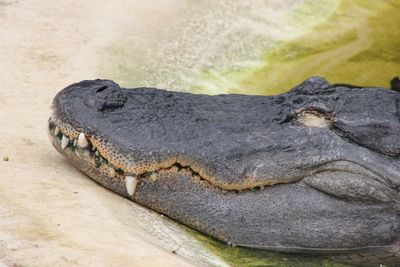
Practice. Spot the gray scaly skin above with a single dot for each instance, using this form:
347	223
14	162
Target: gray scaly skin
315	170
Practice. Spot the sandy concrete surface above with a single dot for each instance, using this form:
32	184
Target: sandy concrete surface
51	214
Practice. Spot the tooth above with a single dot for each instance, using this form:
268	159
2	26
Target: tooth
96	153
56	130
111	171
131	183
64	142
82	141
75	142
153	176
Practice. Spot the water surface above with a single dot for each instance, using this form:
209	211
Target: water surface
259	48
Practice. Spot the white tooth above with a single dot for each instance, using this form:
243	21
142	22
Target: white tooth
56	130
64	142
111	171
75	142
96	153
82	142
131	183
153	176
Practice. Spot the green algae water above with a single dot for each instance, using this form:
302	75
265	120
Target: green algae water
264	48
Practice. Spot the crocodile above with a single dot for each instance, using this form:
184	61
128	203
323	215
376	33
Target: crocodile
314	170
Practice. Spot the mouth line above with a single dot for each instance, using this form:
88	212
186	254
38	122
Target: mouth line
82	146
88	150
65	143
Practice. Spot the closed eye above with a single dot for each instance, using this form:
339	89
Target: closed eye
315	118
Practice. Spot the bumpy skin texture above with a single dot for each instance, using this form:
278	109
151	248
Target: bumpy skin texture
315	170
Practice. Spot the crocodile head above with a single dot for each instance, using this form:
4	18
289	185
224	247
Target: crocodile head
313	170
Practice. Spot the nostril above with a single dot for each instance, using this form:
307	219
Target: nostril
106	98
101	89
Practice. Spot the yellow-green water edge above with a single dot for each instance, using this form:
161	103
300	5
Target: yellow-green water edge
359	45
239	256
